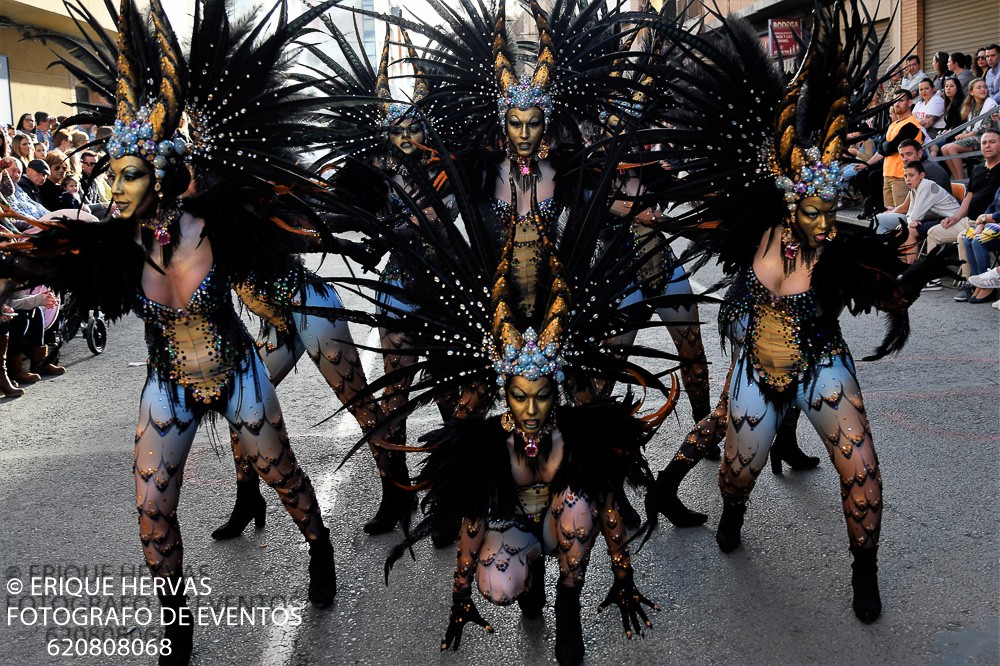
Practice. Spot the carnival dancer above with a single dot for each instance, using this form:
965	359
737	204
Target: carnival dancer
794	272
172	259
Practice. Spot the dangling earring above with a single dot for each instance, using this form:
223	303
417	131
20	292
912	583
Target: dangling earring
507	421
543	150
831	234
789	245
166	216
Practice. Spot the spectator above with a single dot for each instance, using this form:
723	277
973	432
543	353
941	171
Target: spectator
27	337
979	64
927	203
71	185
98	190
958	64
993	71
102	133
976	103
894	190
929	109
42	133
914	75
33	179
38	151
979	241
61	141
79	138
21	149
954	96
16	197
54	197
4	145
940	64
912	151
26	124
983	186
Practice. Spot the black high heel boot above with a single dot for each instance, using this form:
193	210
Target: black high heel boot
178	629
665	493
397	504
569	632
734	509
532	600
322	571
250	505
864	579
786	446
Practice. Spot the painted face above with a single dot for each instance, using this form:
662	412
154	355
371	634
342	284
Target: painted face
531	402
950	88
525	129
404	133
132	186
926	91
912	178
816	218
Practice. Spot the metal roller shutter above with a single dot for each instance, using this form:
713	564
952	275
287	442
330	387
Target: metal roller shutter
959	25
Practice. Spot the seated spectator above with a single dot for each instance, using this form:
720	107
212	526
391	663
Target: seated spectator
16	197
43	134
103	133
914	75
71	184
979	241
993	71
21	148
911	151
954	97
926	205
883	185
95	191
929	109
983	186
27	337
979	67
940	65
61	141
33	179
958	65
54	196
976	103
38	151
26	124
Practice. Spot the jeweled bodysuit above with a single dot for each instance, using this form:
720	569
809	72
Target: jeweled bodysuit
201	358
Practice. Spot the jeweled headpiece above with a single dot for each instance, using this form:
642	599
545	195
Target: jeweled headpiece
529	359
146	121
815	179
524	92
393	112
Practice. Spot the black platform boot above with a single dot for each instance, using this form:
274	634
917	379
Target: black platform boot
532	600
665	493
569	632
322	571
864	579
786	446
178	629
250	505
397	504
734	508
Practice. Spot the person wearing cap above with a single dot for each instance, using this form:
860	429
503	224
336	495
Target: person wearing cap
33	178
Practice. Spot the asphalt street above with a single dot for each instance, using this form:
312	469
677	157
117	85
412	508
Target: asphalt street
67	511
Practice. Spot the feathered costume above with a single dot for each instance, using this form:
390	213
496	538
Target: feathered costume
242	112
737	133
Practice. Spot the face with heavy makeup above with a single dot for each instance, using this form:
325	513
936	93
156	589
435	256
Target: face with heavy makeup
525	130
132	187
815	218
531	402
405	133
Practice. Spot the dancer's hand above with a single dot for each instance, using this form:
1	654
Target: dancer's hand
629	600
463	611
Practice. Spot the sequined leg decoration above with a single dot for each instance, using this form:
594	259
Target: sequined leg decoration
470	542
837	411
163	437
504	559
571	527
694	371
261	430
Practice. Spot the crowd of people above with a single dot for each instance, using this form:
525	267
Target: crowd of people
528	217
931	172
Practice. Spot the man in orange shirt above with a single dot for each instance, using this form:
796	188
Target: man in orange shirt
905	126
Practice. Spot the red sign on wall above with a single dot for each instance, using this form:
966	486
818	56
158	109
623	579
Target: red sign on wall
784	34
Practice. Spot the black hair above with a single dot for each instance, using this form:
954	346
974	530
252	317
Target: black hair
913	56
961	59
909	143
